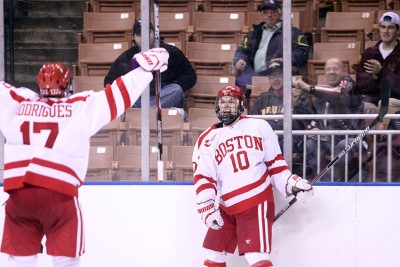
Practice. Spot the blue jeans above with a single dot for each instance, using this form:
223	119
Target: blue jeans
171	96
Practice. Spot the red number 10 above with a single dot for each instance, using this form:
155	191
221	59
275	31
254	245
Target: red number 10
240	162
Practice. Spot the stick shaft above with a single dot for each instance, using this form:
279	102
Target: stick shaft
158	81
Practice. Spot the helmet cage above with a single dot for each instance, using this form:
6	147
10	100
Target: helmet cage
54	80
235	92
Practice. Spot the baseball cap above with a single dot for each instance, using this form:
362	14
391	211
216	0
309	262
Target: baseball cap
390	17
137	26
272	4
275	67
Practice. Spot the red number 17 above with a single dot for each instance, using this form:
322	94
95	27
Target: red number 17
37	128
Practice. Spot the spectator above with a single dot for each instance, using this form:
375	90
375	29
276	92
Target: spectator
271	102
236	163
265	44
46	156
339	96
381	61
175	81
382	155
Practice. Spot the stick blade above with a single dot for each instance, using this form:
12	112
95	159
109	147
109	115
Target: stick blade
385	89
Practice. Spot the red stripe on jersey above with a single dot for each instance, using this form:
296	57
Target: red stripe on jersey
56	166
279	169
198	177
111	102
124	93
203	135
204	187
246	188
17	97
266	195
16	164
76	99
50	183
12	183
278	157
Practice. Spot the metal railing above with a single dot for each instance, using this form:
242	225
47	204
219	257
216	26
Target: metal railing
367	158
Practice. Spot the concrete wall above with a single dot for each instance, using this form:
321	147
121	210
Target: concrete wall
156	225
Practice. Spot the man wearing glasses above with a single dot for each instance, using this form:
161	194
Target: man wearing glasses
381	61
265	44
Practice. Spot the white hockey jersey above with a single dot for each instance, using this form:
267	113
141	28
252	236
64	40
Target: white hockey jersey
48	139
242	162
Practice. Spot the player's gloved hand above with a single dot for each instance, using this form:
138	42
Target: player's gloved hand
299	187
151	60
210	215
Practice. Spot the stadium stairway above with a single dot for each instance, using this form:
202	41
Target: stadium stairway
44	30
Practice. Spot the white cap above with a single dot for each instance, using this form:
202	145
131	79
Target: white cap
390	17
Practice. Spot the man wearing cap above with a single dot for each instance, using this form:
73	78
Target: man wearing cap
175	81
382	61
265	44
271	103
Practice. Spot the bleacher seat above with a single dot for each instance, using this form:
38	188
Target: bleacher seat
199	119
211	58
230	5
362	5
101	163
107	27
172	125
175	27
129	162
219	27
182	166
204	92
348	27
96	59
105	6
86	83
348	52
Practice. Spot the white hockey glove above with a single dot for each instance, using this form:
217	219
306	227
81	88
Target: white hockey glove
211	216
151	60
299	187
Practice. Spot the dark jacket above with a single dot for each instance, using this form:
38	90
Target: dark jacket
269	104
248	49
368	86
179	70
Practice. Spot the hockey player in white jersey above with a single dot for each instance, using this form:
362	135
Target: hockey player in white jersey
236	163
46	156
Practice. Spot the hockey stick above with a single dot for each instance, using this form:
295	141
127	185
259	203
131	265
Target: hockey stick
160	164
385	94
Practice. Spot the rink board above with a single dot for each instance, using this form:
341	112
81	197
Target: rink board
156	225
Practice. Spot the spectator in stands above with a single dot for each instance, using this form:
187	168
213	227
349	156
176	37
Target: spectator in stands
265	44
271	102
175	81
339	96
382	156
381	61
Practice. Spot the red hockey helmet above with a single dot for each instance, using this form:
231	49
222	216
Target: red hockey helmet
54	79
235	92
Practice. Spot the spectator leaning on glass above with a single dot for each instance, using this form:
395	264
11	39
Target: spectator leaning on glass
339	96
381	61
175	81
265	44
